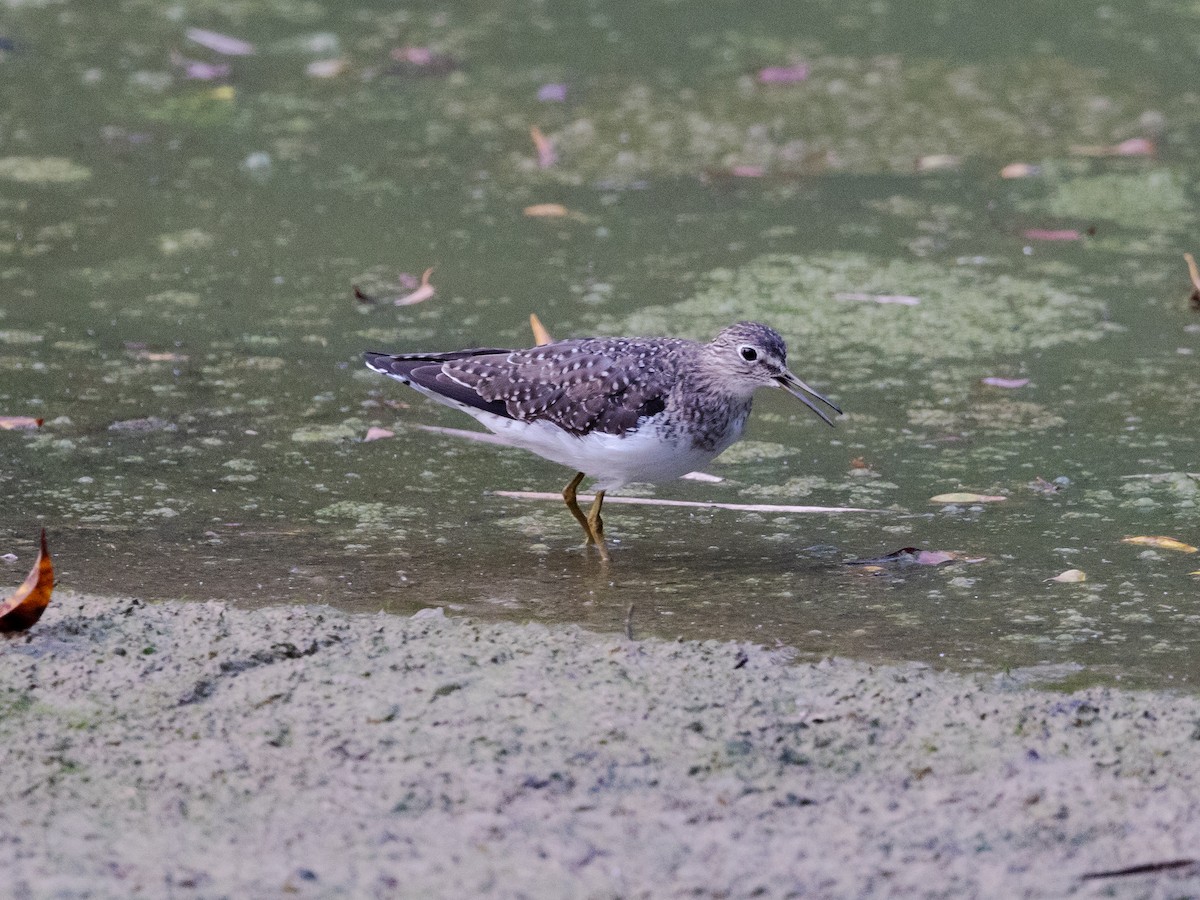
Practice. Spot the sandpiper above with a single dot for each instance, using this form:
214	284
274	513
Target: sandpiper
616	409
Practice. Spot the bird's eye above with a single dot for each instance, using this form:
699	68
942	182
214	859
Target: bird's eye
749	354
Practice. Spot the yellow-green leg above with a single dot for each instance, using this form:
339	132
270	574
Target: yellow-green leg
594	532
593	517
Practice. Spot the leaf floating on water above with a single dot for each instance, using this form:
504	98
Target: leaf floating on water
325	68
792	74
11	423
1194	274
552	93
1130	147
935	162
747	171
420	295
1071	576
703	476
375	433
546	211
21	610
966	497
541	336
421	61
1020	170
1159	542
198	70
220	43
546	154
1010	383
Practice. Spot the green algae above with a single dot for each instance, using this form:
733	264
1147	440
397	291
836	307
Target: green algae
963	312
42	170
1158	199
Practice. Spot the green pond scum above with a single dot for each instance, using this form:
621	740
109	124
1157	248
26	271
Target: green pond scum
182	230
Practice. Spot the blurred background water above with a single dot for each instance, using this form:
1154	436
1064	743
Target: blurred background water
919	196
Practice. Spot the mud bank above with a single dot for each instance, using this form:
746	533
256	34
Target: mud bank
199	750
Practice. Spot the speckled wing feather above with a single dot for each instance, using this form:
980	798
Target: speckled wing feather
597	384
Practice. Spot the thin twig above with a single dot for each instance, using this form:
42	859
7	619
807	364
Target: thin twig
629	621
1143	869
693	504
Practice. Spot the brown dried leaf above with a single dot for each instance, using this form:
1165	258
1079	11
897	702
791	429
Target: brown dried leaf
21	610
9	423
375	433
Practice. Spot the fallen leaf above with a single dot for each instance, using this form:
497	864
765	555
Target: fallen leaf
546	154
375	433
1071	576
10	423
747	171
859	463
1130	147
198	70
325	68
160	356
1159	542
1020	170
362	296
994	381
421	61
938	161
552	93
541	336
703	476
1051	234
546	211
421	294
1193	274
792	74
225	92
1042	486
21	610
966	497
220	43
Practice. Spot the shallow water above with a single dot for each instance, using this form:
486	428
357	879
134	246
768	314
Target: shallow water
177	256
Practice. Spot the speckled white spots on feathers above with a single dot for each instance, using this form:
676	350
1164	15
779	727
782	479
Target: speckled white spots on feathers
619	409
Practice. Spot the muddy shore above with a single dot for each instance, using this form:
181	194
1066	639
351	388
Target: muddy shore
200	750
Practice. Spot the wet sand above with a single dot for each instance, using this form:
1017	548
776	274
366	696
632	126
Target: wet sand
199	750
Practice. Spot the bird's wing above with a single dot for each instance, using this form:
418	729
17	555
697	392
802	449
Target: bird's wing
580	386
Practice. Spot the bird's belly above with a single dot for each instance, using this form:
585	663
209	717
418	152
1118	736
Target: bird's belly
646	454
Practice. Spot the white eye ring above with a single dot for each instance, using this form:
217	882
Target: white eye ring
748	353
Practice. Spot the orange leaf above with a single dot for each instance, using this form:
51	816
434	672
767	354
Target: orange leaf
546	211
8	423
540	335
25	607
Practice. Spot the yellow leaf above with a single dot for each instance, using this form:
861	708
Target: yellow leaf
965	497
540	335
224	92
1160	542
